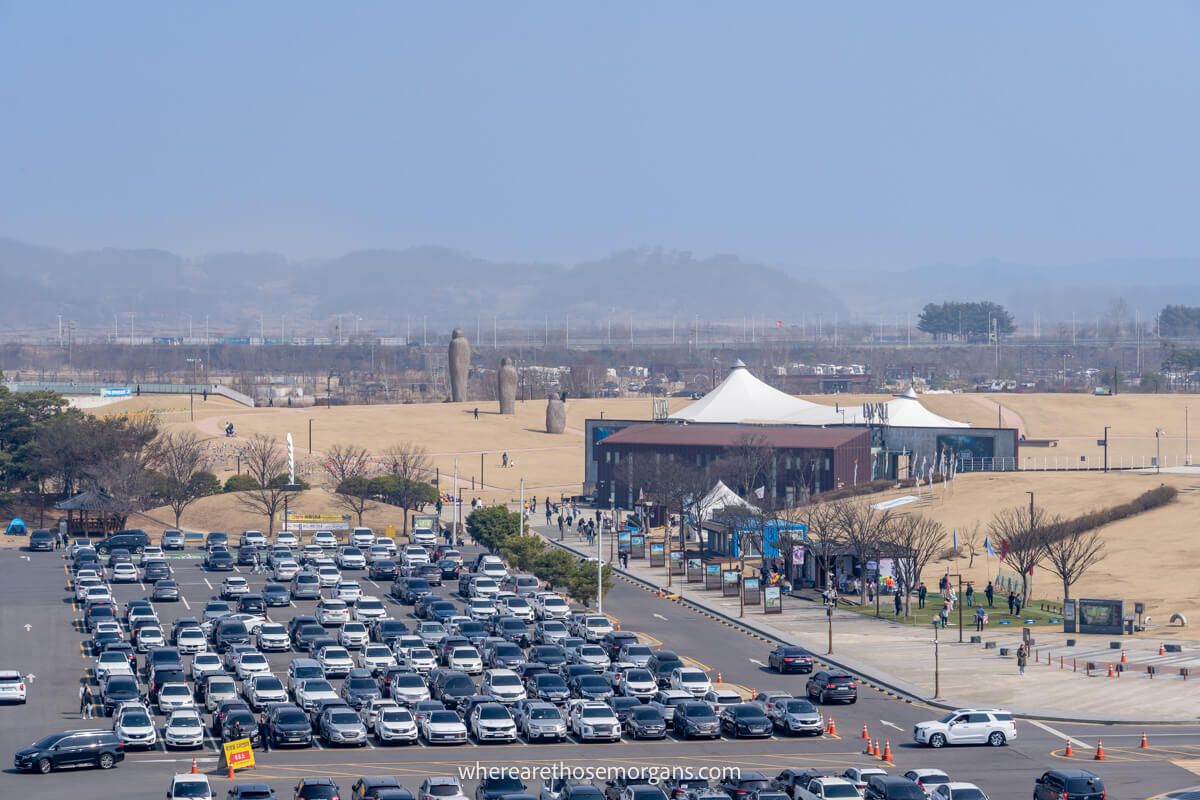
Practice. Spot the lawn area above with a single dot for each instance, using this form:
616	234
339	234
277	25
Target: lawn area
933	604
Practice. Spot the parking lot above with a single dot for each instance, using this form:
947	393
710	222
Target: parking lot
44	640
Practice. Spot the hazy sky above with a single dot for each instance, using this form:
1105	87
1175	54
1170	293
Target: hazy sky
815	135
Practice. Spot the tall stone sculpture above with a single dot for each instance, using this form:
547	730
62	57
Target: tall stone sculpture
506	388
556	413
460	362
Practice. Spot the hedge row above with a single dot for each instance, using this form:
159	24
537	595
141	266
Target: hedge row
1146	501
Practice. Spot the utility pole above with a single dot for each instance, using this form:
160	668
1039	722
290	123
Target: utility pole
481	472
829	619
1104	442
937	677
1158	432
310	436
521	521
600	568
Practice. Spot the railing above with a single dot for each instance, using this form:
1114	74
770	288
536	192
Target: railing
988	464
65	387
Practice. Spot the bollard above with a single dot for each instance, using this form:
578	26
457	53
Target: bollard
1060	662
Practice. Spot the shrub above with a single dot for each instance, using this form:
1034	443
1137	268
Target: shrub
1146	501
240	483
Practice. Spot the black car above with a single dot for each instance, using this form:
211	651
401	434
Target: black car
514	630
451	687
473	631
383	570
494	787
549	654
1069	784
387	631
165	590
118	689
161	658
590	687
549	687
287	726
746	719
411	590
276	594
239	723
613	642
787	658
229	632
359	687
507	655
374	788
892	787
647	722
623	706
316	789
161	678
741	784
102	639
133	540
253	603
693	720
825	686
430	572
248	555
41	541
83	748
155	571
250	791
119	555
224	709
219	561
449	569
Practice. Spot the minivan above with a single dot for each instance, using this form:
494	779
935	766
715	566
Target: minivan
306	586
133	540
96	748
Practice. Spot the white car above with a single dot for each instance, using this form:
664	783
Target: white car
191	640
548	605
272	637
184	729
480	609
220	687
595	627
12	686
368	608
82	585
957	790
234	586
135	727
388	542
860	776
373	707
286	570
325	540
98	594
353	635
253	539
377	658
206	664
328	576
492	722
692	680
483	586
418	659
592	721
927	779
395	724
335	661
147	637
331	612
408	688
312	691
362	537
351	558
591	654
443	727
151	552
637	682
348	591
465	659
175	697
287	539
414	554
504	685
124	573
826	788
968	726
112	663
493	567
190	787
262	690
720	699
518	607
251	664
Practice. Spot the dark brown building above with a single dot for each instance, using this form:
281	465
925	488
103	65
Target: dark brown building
806	459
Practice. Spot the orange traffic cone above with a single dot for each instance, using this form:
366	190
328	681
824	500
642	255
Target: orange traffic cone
195	767
1124	660
878	750
870	748
1068	752
1099	750
1145	745
865	734
719	678
832	726
887	752
1110	670
1162	651
229	772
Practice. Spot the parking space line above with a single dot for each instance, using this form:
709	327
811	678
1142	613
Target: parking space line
208	584
185	602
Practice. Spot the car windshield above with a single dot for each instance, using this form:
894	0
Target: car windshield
343	718
1079	786
544	713
465	652
442	789
747	711
121	684
268	684
191	789
505	784
185	721
493	712
317	686
443	717
646	713
592	682
175	690
460	684
361	683
965	794
692	677
505	680
396	715
550	682
596	712
135	720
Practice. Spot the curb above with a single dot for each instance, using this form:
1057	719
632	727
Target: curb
882	686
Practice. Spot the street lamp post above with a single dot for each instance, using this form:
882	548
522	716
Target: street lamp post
937	677
1158	433
829	619
1105	443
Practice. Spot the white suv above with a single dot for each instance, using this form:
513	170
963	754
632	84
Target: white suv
968	726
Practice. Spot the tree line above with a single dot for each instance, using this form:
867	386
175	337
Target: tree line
970	322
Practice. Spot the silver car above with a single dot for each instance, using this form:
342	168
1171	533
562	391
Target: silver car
340	725
795	715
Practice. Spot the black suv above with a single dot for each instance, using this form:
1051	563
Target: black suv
316	789
133	540
1069	784
88	748
892	787
287	725
825	686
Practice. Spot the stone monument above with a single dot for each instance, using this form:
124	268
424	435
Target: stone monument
506	386
460	362
556	413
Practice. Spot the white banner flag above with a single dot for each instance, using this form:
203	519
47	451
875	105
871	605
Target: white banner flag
291	460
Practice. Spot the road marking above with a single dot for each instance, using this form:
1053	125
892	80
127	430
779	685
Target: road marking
28	627
208	584
185	602
891	724
1059	734
660	616
756	661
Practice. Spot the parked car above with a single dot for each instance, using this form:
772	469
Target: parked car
1069	784
892	787
826	686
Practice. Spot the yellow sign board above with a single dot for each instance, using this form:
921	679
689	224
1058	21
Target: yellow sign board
297	517
239	754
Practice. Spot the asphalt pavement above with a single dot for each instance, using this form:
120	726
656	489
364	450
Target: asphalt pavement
33	593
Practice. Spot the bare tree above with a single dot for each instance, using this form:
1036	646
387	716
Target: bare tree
970	540
1072	553
125	479
409	466
674	483
179	459
746	465
824	539
266	462
865	530
915	541
348	467
1021	538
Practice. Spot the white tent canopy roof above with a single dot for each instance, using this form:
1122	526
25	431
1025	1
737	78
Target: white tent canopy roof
906	411
721	496
741	397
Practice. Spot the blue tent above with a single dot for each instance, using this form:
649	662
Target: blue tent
17	527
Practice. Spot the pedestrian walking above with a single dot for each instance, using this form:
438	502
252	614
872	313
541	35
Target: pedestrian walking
990	591
625	559
944	615
85	699
504	459
548	515
980	618
897	603
476	412
1017	603
970	593
1022	657
1012	603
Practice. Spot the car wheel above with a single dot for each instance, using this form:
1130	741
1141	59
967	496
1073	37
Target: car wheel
106	761
823	698
44	766
937	740
996	739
